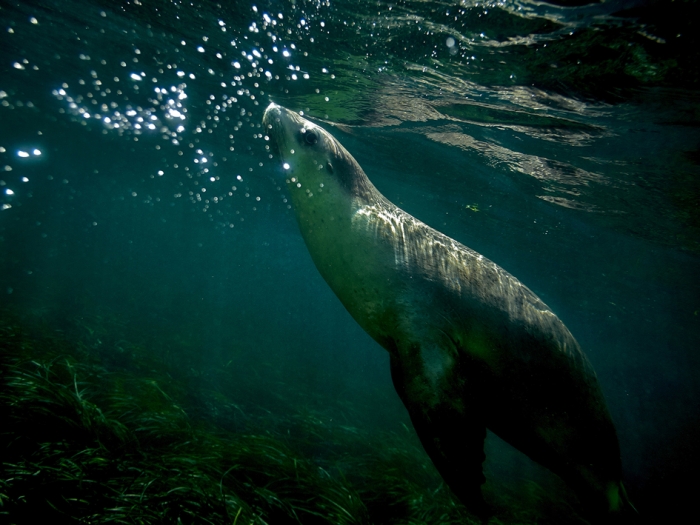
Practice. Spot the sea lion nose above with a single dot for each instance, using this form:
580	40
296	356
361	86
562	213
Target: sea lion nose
272	114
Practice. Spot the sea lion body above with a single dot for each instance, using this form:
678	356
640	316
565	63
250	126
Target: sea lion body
471	347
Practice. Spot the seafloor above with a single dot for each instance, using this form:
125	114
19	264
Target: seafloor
102	425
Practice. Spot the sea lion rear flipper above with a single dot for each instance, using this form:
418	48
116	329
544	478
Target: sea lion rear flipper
453	439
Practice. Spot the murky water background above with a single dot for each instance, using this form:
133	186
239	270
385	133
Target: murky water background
561	141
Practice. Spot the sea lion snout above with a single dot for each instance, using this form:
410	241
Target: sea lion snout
272	115
285	130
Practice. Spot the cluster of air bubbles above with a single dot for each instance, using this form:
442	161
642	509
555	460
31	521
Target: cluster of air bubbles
288	35
143	100
166	113
6	192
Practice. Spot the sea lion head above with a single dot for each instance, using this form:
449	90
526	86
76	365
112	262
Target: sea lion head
312	156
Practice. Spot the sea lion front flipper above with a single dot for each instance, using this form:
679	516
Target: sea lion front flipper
452	437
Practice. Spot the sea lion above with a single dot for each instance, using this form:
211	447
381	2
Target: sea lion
470	347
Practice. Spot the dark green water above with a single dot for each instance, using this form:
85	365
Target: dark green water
139	201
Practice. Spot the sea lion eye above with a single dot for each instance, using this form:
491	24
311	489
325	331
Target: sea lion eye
310	137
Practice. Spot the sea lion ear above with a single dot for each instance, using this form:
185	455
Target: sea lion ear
329	166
